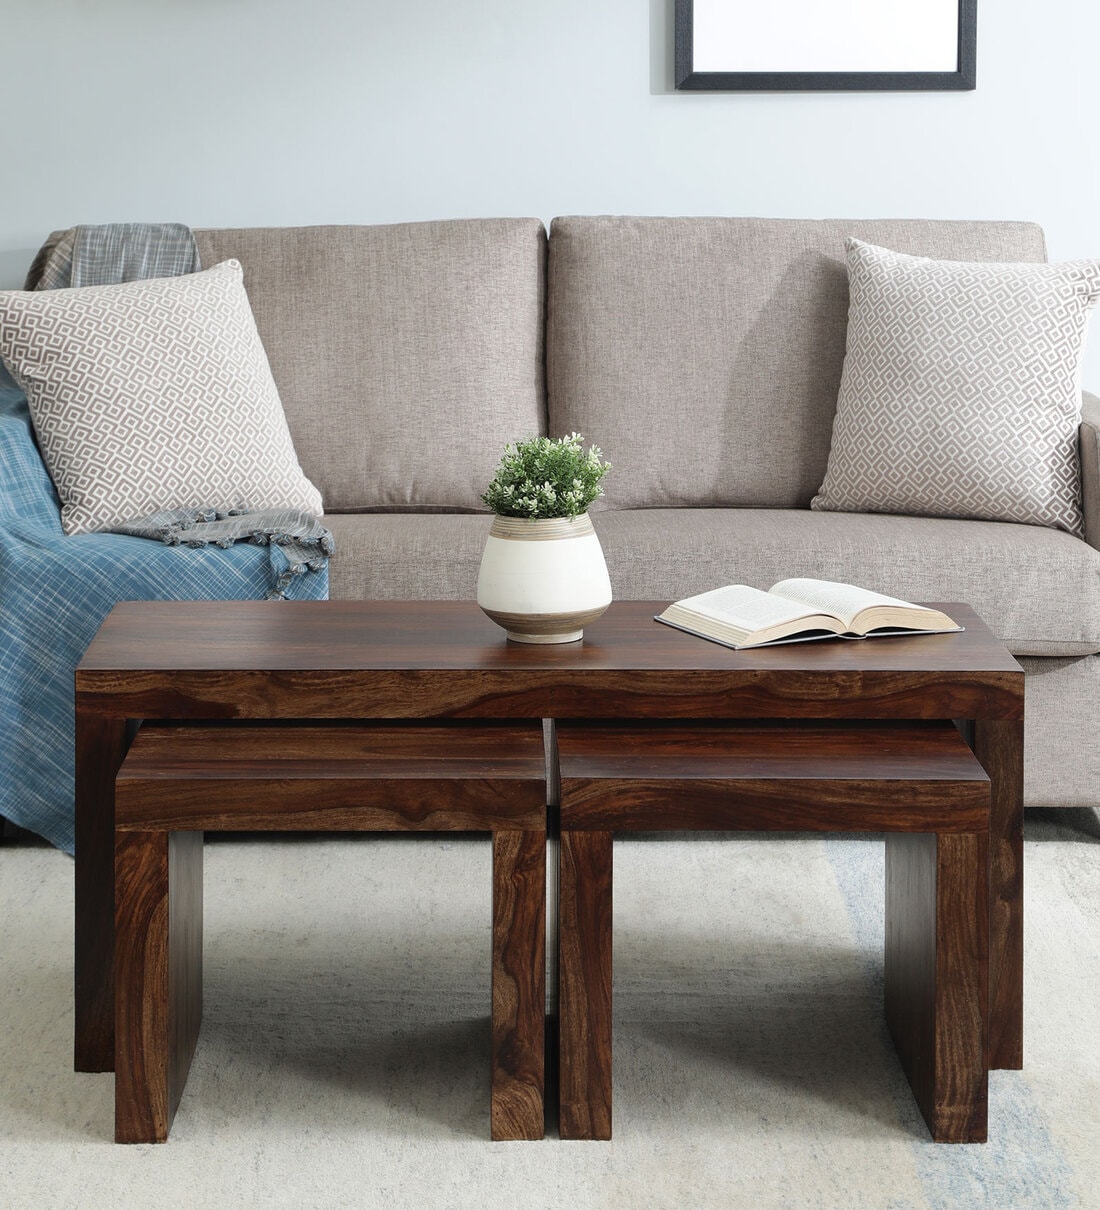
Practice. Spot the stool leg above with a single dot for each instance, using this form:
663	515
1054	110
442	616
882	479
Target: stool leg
584	942
999	745
937	968
158	977
519	985
100	747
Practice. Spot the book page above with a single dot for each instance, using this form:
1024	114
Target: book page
747	608
828	596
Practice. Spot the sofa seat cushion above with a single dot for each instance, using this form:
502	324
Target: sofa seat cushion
1061	755
406	355
1039	589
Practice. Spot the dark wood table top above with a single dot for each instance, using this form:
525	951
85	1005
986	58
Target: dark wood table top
291	635
252	658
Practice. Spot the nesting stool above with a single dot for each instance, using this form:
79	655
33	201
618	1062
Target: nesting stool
178	781
917	782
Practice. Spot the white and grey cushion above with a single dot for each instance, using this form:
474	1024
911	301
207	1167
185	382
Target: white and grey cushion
152	395
961	393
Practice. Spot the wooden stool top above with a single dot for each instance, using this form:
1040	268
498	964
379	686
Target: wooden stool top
336	777
777	776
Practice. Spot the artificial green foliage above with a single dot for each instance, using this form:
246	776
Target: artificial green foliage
546	477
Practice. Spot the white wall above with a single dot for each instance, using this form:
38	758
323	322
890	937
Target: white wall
242	112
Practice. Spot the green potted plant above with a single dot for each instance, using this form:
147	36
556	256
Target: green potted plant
543	576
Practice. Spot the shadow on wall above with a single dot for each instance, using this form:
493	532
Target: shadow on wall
14	266
662	67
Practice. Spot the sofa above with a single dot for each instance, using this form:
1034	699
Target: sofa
704	357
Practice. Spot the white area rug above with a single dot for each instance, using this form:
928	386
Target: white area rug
343	1059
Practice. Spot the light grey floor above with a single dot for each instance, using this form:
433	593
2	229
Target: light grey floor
344	1053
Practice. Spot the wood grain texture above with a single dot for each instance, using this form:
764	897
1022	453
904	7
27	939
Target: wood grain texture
901	779
377	635
335	778
756	748
361	660
910	958
999	745
178	778
185	920
962	988
334	804
936	982
421	659
523	693
585	975
100	747
916	777
496	744
158	994
760	805
519	985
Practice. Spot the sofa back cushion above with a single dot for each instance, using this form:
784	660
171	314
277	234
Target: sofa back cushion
704	354
406	356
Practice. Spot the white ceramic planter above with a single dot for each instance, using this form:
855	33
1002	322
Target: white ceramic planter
543	581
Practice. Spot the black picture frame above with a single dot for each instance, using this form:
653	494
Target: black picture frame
964	78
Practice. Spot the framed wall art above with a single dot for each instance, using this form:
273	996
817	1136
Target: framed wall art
765	45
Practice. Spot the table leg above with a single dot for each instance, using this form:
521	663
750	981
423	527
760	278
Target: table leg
100	747
585	932
936	976
158	963
999	746
519	985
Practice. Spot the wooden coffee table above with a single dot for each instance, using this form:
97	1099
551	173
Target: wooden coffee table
392	660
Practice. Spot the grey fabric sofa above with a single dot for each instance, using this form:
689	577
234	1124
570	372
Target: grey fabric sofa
704	356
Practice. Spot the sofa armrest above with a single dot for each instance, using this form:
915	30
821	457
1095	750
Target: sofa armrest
1090	466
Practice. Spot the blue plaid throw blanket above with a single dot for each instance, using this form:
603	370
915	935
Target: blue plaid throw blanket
55	591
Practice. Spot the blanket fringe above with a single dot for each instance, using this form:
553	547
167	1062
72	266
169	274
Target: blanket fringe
298	542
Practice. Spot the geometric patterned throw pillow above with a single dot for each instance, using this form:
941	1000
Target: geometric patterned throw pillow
960	395
152	395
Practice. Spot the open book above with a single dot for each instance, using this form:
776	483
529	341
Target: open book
795	611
